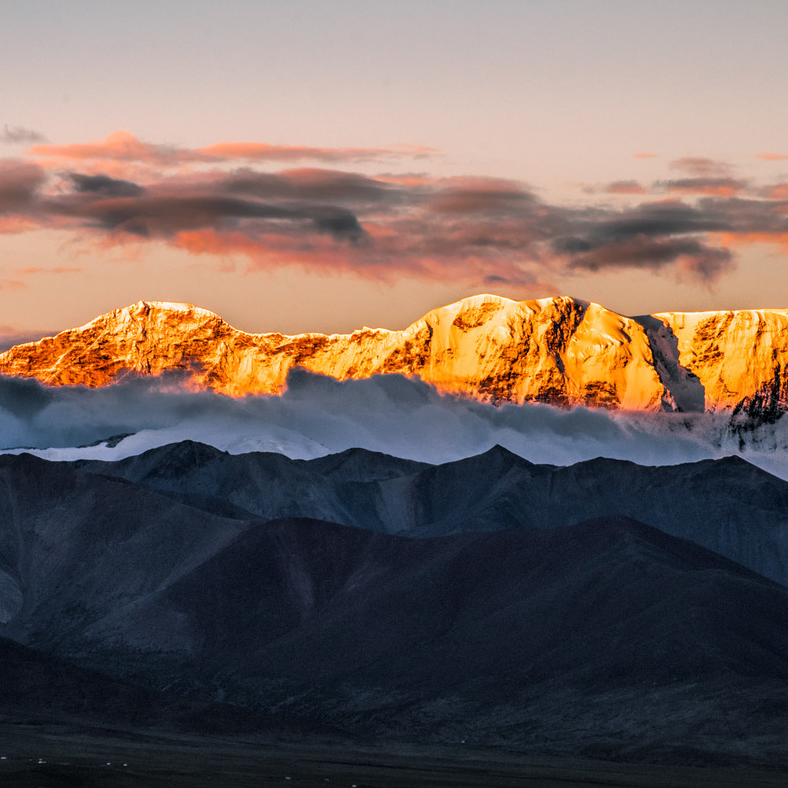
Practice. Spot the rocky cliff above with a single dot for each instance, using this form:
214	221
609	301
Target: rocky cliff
558	350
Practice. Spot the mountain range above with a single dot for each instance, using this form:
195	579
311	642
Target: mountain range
557	610
561	350
600	609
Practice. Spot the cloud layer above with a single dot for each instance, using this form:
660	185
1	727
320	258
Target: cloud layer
392	414
209	201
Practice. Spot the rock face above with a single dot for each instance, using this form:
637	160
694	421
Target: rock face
557	350
739	357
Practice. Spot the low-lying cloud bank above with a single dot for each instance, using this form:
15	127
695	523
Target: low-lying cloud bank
318	415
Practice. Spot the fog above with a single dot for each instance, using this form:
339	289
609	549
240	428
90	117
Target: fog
318	415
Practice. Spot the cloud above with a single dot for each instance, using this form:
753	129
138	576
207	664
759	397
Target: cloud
470	230
624	187
19	183
118	146
317	415
702	167
313	184
772	156
717	187
104	185
60	269
702	261
123	146
778	192
260	151
16	135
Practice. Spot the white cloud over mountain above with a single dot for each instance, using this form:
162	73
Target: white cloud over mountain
318	415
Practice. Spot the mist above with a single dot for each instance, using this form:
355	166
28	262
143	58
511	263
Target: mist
317	415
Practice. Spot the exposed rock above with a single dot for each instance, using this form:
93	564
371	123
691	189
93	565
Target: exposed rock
557	350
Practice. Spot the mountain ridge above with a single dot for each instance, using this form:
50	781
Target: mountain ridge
559	350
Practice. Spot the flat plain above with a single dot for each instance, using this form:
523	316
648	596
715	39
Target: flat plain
71	756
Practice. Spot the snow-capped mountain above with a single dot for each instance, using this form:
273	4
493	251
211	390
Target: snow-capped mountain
558	350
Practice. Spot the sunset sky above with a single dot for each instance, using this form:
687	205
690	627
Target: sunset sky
326	165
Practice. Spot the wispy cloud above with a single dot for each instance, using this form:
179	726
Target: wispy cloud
702	167
18	135
717	187
124	146
624	187
36	269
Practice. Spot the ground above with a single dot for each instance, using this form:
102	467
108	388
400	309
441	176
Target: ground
66	756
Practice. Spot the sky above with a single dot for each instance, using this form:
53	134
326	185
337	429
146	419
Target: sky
316	166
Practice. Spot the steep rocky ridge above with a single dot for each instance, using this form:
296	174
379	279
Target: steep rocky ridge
556	350
739	357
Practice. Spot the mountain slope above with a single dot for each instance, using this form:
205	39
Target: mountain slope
727	505
739	357
74	545
608	637
557	350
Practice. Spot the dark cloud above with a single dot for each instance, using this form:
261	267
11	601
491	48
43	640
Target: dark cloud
493	198
473	230
19	183
346	187
15	135
746	216
595	228
163	215
651	236
104	185
703	261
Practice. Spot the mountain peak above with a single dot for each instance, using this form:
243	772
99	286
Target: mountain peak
559	350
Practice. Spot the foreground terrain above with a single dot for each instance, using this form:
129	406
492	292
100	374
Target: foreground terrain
66	756
217	604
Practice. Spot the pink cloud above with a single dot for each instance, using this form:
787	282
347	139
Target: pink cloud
40	270
625	187
260	151
702	167
122	146
465	229
119	146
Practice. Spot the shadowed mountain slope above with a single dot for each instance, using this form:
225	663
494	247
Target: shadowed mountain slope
643	639
74	546
727	505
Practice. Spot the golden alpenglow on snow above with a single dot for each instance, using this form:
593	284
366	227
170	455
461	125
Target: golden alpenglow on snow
560	350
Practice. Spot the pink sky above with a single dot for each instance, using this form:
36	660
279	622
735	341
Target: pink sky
294	169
